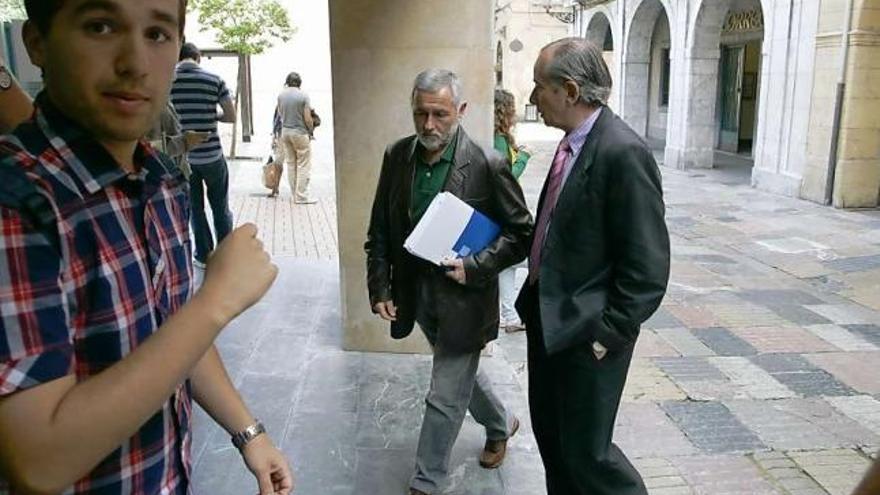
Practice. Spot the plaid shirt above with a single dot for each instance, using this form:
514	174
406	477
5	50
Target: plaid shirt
123	268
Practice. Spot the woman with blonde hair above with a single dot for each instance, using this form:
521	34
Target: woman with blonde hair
517	157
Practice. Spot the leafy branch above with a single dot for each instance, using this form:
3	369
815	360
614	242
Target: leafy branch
11	10
248	27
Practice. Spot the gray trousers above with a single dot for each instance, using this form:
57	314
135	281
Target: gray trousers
457	386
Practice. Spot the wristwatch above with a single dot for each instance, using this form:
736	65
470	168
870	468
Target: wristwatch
5	78
244	437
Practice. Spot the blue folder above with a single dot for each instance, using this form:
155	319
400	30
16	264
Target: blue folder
479	233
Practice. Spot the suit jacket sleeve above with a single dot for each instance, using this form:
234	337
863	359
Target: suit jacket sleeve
511	246
377	245
639	245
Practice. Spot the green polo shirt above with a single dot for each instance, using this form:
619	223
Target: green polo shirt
429	179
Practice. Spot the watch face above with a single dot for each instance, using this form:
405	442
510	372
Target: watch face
5	79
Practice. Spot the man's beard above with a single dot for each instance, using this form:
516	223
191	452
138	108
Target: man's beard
435	142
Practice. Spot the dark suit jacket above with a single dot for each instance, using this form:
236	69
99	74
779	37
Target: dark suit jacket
605	264
468	314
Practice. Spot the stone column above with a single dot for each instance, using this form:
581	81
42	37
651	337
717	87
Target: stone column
377	48
857	181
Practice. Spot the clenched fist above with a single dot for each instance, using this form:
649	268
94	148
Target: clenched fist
239	272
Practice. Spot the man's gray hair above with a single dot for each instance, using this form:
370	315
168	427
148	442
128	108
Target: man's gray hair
433	80
579	60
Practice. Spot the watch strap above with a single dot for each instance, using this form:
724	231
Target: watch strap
243	437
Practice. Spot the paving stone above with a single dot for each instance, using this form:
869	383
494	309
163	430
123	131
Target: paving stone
661	476
771	298
689	369
710	258
855	264
744	315
862	408
693	316
780	429
523	474
838	471
859	370
322	451
383	471
647	383
869	332
662	318
279	354
782	340
723	342
649	344
828	283
643	430
785	473
711	427
798	314
841	338
829	419
846	314
683	341
391	400
331	383
752	379
792	245
723	475
801	376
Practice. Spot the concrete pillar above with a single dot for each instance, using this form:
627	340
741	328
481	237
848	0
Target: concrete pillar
858	168
377	48
693	142
857	182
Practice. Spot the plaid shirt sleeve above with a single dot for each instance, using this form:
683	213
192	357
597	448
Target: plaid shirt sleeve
35	339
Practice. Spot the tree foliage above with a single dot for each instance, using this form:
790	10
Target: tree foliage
11	10
248	27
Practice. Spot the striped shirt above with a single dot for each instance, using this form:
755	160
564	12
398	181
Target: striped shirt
195	95
120	269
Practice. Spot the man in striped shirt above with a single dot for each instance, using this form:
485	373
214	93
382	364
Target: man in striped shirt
196	94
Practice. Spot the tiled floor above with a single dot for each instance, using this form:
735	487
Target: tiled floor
757	375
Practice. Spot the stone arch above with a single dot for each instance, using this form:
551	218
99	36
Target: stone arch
637	64
604	33
599	31
706	96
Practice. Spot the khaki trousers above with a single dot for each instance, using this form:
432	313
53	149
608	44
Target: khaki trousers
297	153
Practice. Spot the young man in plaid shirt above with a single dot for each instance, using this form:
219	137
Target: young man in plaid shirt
101	346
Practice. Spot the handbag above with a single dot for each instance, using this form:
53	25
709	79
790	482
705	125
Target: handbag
272	175
316	120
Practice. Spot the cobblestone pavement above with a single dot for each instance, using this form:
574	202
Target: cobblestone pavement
758	375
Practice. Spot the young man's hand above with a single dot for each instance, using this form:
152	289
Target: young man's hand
239	272
269	466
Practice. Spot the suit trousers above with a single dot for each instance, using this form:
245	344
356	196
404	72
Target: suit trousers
457	386
573	401
297	152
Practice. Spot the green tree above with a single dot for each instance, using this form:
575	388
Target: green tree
248	27
11	10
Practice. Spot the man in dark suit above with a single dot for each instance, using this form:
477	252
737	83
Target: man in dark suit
598	268
456	306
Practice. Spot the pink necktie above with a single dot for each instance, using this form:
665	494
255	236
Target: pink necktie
554	184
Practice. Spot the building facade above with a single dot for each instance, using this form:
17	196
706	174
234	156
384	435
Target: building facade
780	86
522	28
